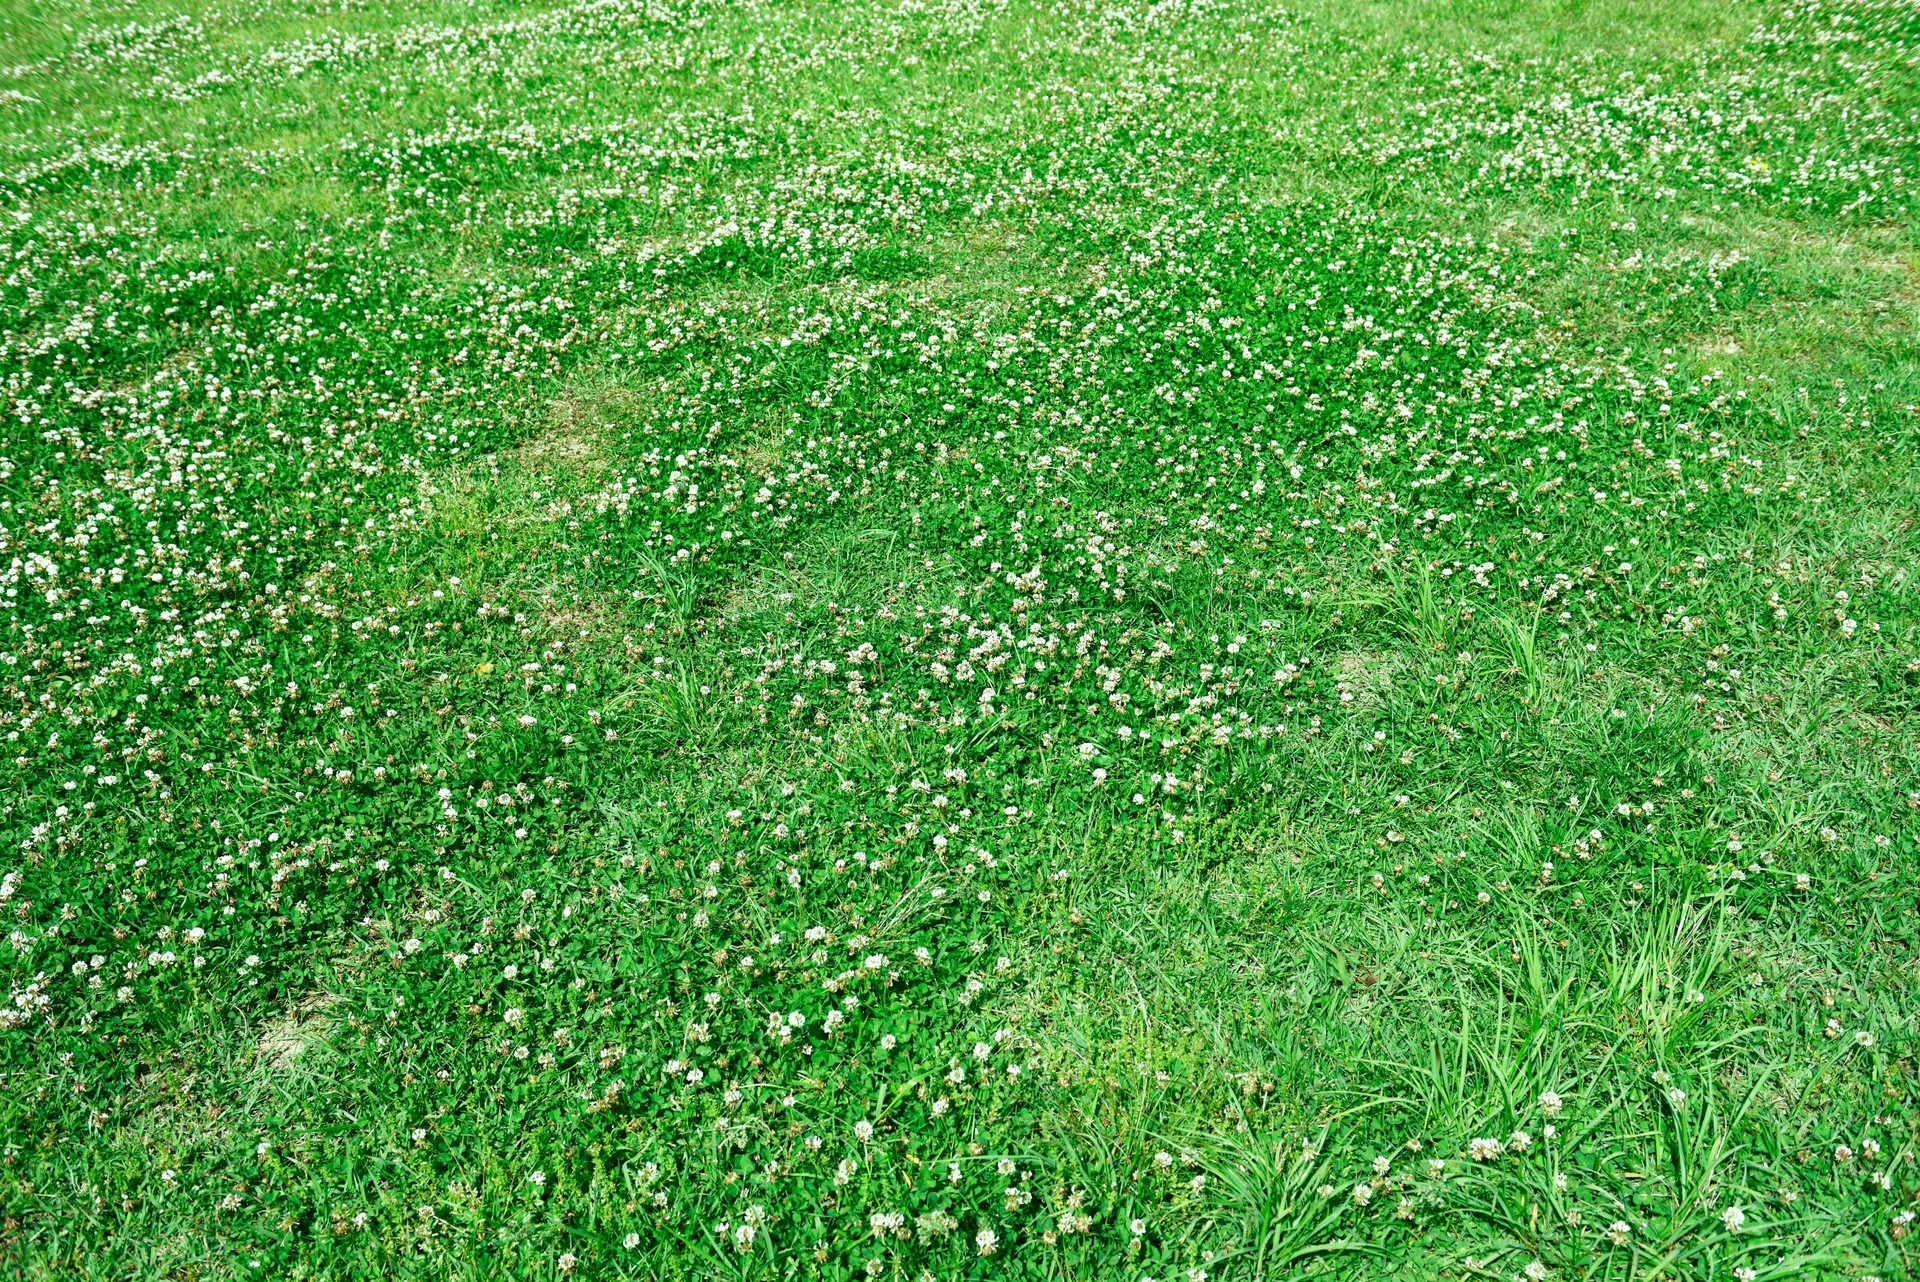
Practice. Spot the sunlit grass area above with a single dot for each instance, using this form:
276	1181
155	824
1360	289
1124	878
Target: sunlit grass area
677	640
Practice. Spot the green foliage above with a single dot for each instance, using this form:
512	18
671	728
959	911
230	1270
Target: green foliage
647	638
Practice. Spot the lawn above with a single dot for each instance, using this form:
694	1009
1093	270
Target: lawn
937	639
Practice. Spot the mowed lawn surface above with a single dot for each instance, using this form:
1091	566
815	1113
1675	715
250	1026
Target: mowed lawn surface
944	639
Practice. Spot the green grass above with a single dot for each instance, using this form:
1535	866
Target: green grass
995	640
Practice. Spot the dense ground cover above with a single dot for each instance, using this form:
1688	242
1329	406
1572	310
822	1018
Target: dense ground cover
933	640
